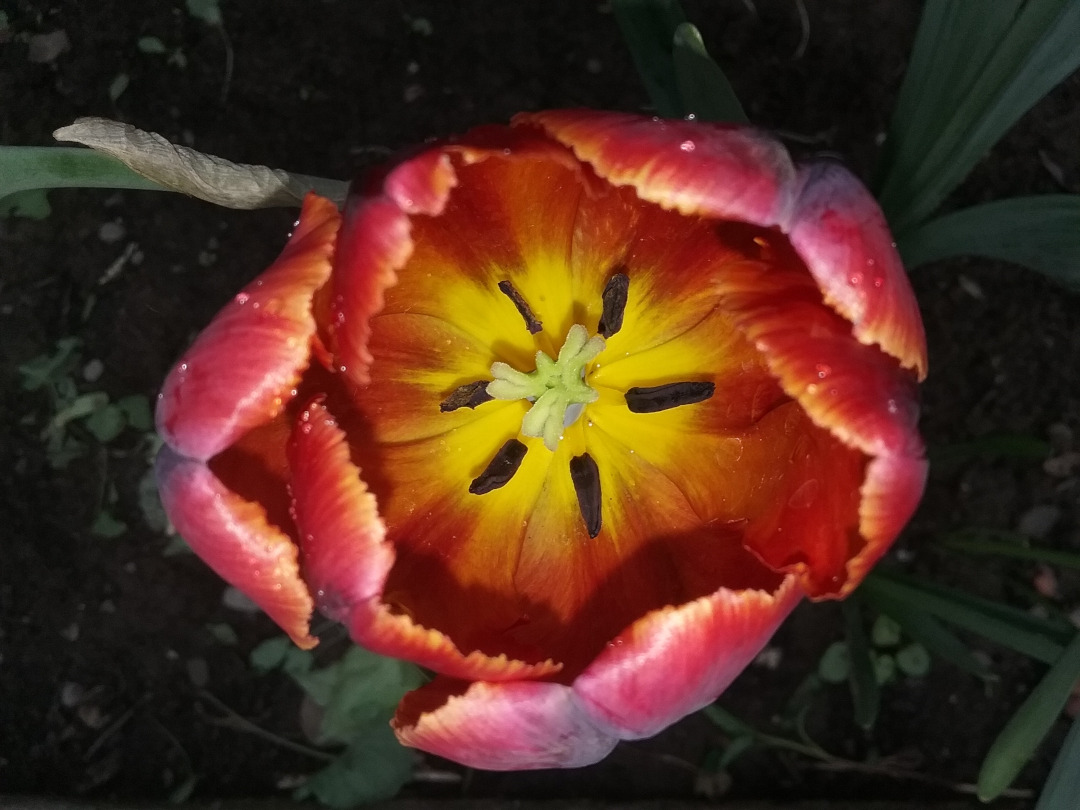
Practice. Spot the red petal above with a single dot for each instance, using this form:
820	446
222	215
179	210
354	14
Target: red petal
840	233
347	559
893	487
714	170
676	660
242	368
502	727
233	536
375	244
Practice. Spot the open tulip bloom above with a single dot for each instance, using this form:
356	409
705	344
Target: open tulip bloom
570	412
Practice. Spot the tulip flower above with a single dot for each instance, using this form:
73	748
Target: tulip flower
570	412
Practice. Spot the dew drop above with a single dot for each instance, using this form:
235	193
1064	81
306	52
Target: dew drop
823	370
691	117
242	298
688	146
879	282
856	279
183	367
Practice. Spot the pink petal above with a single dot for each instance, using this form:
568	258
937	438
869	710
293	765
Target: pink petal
502	727
241	369
676	660
840	233
375	244
713	170
234	538
893	487
347	559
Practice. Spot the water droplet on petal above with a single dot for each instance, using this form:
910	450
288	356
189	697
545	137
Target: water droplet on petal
856	279
242	298
879	282
691	117
688	146
823	370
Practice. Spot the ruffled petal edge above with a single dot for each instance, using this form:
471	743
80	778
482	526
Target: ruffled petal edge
241	370
524	725
234	538
676	660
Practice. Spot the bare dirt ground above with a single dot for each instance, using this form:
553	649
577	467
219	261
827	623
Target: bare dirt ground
114	664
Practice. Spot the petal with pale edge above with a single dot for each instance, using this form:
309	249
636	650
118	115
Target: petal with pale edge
840	233
375	244
233	537
242	368
678	659
347	559
714	170
502	726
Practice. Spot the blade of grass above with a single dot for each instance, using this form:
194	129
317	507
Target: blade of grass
932	634
648	27
1028	635
1063	784
974	542
1030	724
975	68
1041	233
865	690
703	88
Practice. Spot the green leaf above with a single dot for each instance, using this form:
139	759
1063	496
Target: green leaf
913	660
728	723
648	27
835	664
1007	544
205	10
150	45
136	408
106	423
975	68
704	90
1028	635
928	631
118	85
1041	233
885	632
32	204
25	168
270	654
46	369
356	689
865	689
1030	723
1063	784
374	767
105	525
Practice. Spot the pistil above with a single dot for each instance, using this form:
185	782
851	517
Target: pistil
554	388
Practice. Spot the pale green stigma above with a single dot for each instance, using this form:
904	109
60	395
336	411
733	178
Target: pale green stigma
557	388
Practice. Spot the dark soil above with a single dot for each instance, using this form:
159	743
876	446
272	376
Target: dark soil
111	675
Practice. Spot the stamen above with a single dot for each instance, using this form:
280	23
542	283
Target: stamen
466	396
672	395
586	477
615	294
500	469
531	322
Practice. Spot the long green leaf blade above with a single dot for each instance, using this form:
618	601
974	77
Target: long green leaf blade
649	26
929	632
1029	725
1063	784
865	690
704	89
976	67
1011	628
1042	233
31	167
